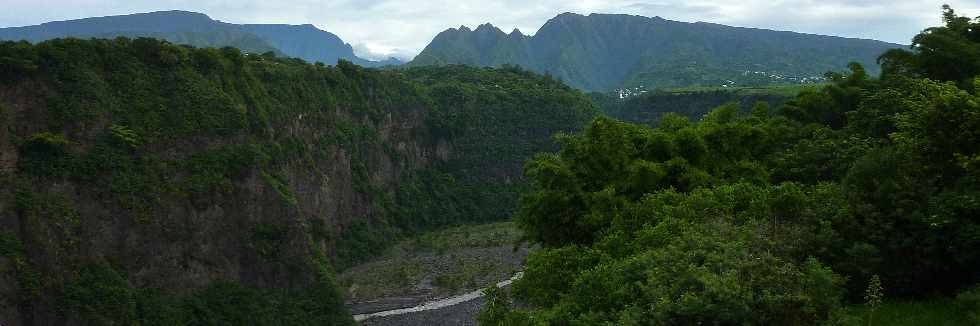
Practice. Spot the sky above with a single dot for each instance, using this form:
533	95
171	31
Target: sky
402	28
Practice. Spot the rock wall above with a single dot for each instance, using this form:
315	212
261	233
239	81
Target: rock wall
184	242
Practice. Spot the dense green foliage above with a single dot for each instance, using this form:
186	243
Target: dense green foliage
101	296
142	127
759	217
170	149
487	122
649	108
945	53
497	120
602	52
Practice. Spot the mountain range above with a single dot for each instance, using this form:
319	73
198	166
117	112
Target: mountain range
598	52
602	52
182	27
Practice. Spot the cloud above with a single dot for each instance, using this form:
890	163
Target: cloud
402	28
380	52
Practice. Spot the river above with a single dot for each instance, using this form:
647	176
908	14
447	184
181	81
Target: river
437	304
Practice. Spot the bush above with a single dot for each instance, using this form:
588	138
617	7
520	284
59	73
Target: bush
712	274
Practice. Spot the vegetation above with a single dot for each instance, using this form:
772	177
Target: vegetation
496	119
453	260
604	52
484	123
170	149
862	191
912	313
775	90
100	295
692	103
138	129
158	184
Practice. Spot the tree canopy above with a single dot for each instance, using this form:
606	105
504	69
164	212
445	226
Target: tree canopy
765	218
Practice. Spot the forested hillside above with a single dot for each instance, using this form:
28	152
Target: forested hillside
648	108
602	52
156	184
866	191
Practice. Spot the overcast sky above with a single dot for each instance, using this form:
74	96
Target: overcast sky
403	27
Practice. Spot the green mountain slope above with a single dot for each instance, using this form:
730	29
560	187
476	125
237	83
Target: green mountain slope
308	43
154	184
182	27
604	52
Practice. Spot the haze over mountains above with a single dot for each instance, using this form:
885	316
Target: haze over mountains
300	41
606	52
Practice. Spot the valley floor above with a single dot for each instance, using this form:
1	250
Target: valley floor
432	267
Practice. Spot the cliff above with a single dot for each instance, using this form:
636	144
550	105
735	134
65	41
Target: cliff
161	184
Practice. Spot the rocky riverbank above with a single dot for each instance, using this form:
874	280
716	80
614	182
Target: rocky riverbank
432	267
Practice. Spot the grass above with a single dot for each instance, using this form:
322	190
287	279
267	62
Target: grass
473	236
936	312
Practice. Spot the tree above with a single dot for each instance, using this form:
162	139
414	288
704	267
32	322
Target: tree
946	53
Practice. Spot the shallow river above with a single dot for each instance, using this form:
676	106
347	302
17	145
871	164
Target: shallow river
437	304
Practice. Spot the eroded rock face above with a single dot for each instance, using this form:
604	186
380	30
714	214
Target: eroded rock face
183	242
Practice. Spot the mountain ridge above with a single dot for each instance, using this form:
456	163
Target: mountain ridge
601	52
304	41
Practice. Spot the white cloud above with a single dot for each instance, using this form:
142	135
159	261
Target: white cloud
378	52
401	28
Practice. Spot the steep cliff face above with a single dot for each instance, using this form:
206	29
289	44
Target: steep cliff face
152	183
306	42
177	175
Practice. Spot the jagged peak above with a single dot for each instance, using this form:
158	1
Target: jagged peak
463	28
489	29
516	32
